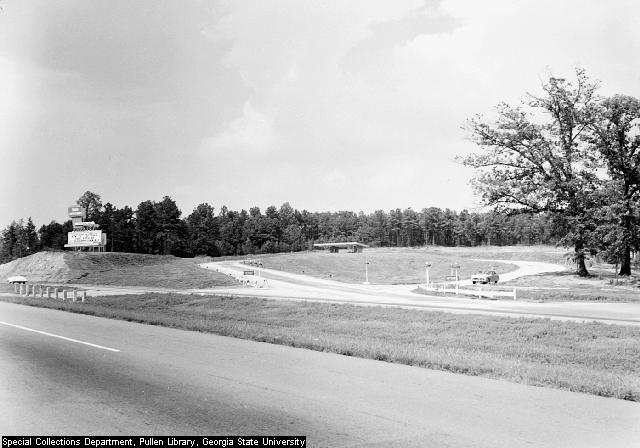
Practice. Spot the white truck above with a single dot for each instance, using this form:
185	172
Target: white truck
485	277
17	279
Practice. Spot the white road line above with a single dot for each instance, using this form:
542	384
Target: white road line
60	337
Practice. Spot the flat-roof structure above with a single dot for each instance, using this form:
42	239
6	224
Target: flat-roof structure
334	248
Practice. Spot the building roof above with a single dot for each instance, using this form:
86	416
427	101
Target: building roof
349	244
85	225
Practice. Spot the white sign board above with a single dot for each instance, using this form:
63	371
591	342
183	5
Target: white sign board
85	238
77	212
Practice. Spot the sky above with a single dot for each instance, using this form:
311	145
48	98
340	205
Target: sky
328	105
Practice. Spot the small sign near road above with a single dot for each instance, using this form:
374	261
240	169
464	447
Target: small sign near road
248	273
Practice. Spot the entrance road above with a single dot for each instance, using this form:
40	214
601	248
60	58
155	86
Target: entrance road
167	381
284	285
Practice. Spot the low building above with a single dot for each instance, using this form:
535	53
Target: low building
334	248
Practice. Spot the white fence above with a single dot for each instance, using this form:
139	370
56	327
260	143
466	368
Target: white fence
489	292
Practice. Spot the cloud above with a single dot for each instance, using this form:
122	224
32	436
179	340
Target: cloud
251	133
289	54
380	90
328	104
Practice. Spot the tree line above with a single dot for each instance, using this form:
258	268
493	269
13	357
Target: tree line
159	228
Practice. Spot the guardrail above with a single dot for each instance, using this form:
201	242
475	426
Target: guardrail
55	292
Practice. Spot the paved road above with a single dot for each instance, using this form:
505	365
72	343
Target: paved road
284	285
139	379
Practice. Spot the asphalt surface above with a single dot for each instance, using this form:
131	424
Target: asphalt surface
144	380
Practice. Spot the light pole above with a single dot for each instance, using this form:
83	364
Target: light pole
366	272
426	268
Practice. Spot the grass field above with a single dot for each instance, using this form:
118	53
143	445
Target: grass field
406	266
567	287
554	287
593	358
402	265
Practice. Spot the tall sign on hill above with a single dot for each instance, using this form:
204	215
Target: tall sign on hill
77	213
86	235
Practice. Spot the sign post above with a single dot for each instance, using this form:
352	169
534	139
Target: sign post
455	267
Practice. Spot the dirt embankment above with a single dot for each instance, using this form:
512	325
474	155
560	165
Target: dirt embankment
46	267
113	269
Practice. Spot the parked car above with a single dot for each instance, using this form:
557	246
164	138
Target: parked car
485	277
17	279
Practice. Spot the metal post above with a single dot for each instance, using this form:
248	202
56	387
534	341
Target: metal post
366	272
426	267
55	291
48	292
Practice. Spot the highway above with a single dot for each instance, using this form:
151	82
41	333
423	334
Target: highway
65	373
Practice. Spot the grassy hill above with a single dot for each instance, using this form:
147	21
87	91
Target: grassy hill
114	269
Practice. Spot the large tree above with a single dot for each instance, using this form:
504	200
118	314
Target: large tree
534	158
170	227
616	136
92	203
52	236
123	230
31	237
146	228
203	231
